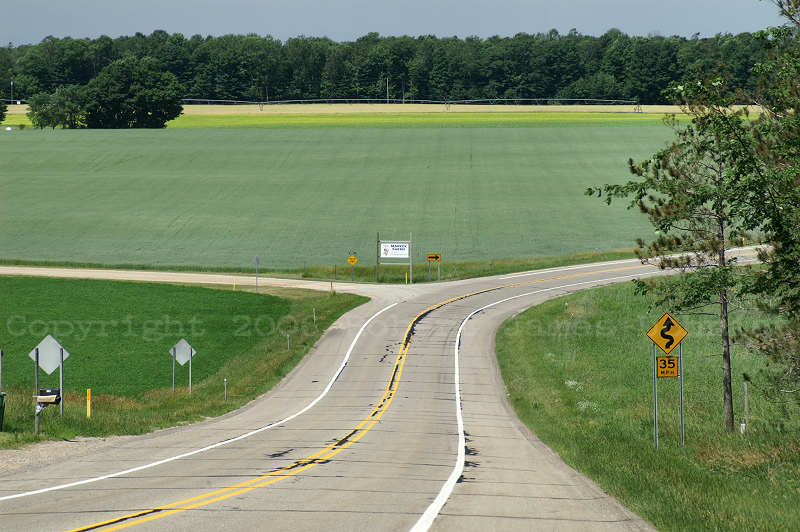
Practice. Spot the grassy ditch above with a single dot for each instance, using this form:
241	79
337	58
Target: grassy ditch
579	374
119	337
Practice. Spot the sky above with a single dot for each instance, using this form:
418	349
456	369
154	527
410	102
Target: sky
30	21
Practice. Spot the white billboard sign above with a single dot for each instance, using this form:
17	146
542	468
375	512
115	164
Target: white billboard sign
395	250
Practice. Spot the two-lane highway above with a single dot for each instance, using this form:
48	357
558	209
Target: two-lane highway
396	420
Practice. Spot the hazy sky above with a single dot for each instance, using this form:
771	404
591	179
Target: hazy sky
30	21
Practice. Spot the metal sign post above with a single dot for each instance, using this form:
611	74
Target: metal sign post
680	363
257	261
49	355
655	399
36	362
182	352
395	249
352	259
61	379
437	258
667	334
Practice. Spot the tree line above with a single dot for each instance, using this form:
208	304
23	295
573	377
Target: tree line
252	68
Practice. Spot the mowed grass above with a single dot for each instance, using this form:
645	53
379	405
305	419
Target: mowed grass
578	370
215	198
119	335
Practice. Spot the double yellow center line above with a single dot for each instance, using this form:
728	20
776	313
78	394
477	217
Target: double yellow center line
323	455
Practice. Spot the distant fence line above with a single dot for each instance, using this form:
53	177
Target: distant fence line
492	101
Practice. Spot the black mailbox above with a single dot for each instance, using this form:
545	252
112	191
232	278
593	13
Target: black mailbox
49	396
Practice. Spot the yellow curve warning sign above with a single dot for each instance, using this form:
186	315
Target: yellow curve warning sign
667	333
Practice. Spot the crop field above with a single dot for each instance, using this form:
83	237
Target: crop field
119	334
213	190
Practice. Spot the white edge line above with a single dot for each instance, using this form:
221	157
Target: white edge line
737	252
563	269
432	512
215	445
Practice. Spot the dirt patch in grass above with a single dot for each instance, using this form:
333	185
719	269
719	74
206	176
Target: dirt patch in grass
732	458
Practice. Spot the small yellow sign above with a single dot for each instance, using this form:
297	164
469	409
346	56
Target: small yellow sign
352	259
434	257
667	333
666	367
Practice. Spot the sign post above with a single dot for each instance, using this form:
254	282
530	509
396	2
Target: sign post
667	334
352	259
256	261
182	352
49	355
395	250
437	258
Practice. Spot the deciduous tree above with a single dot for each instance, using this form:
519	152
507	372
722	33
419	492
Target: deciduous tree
133	93
40	111
62	108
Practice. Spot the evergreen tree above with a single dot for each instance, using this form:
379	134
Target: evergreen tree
693	193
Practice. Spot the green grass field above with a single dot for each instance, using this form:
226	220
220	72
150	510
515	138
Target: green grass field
214	198
119	335
580	376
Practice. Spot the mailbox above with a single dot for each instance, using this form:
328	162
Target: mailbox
49	396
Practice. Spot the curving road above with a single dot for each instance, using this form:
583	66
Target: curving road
396	420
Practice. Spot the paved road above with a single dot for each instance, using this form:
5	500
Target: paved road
397	420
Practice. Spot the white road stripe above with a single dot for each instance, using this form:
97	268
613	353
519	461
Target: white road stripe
426	520
215	445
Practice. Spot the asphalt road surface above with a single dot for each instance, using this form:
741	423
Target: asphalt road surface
396	420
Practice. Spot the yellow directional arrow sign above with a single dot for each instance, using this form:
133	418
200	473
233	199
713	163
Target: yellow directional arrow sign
667	333
352	259
434	257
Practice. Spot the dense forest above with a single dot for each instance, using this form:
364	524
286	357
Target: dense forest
253	68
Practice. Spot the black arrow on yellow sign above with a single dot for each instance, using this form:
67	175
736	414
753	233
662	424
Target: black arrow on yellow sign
667	333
